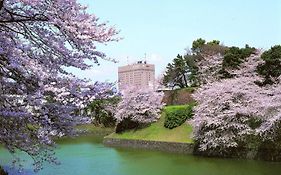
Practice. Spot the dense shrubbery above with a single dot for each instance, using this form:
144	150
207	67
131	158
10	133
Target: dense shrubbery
177	115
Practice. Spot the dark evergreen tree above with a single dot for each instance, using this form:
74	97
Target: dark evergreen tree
181	72
271	68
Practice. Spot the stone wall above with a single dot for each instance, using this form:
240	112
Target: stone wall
177	97
173	147
189	148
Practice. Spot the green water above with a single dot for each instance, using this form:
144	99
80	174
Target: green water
87	156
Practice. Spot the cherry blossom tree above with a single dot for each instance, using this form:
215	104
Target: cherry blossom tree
231	112
39	99
142	106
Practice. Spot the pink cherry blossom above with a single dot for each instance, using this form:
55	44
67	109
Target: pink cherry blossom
39	99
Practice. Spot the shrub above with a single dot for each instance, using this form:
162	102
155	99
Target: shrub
177	115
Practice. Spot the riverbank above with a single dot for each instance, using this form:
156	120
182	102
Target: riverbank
155	137
172	147
95	130
157	132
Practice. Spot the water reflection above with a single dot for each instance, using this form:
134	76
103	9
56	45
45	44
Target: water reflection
88	156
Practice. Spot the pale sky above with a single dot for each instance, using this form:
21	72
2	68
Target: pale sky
161	29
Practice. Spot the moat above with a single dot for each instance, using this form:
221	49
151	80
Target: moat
88	156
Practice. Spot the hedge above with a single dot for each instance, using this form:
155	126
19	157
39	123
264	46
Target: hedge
177	115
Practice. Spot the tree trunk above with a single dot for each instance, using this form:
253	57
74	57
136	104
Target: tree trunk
185	81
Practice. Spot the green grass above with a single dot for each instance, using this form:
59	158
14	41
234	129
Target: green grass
157	132
173	108
93	129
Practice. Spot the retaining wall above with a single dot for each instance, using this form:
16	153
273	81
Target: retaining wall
173	147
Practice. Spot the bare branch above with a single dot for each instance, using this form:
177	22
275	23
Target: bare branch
24	20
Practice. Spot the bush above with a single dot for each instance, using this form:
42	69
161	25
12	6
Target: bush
177	115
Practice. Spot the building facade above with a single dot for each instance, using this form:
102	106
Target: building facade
140	74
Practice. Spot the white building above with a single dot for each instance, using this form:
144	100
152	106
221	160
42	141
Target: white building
140	74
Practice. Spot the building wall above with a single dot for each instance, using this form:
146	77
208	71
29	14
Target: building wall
141	75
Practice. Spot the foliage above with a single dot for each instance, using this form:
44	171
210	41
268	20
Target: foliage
190	69
197	45
139	105
270	69
39	99
214	42
177	115
200	47
181	72
157	132
236	112
234	56
102	110
212	49
212	68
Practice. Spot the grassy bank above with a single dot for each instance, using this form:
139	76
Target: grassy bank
157	132
93	129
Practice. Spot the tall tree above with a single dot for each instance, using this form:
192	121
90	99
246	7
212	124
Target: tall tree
197	45
181	72
235	114
39	99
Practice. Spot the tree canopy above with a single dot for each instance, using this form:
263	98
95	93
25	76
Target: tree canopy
181	72
234	114
270	69
138	107
39	99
